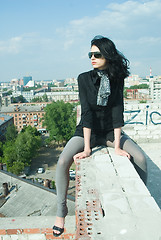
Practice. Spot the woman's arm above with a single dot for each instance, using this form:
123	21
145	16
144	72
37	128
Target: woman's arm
118	150
86	116
87	137
87	147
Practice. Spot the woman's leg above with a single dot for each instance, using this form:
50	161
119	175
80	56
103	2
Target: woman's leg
75	145
138	157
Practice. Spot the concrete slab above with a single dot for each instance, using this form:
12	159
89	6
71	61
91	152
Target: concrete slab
133	186
115	203
112	202
122	165
103	164
140	205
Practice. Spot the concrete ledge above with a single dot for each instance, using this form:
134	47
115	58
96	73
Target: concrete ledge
112	202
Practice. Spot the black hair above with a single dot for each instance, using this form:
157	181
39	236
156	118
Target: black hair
118	65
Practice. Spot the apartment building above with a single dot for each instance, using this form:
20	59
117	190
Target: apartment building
137	94
68	96
132	80
5	100
24	115
5	121
155	88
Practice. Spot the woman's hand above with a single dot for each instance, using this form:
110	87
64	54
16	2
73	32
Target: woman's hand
118	150
84	154
121	152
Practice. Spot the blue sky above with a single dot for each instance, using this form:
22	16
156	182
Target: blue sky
50	39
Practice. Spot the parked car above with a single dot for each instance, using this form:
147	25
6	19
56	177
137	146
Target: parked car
40	180
40	170
72	174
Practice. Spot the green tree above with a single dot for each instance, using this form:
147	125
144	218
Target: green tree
125	92
9	92
9	154
60	120
18	99
19	152
143	101
21	99
140	86
17	167
14	100
37	99
38	86
31	130
27	89
11	133
45	98
1	151
27	144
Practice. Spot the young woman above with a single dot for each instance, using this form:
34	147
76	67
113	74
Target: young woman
101	98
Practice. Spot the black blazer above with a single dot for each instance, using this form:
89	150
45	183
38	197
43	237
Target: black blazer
101	119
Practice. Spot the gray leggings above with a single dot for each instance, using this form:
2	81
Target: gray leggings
75	145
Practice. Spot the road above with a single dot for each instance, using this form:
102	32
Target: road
47	158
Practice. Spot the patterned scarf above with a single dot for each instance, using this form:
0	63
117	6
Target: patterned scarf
104	89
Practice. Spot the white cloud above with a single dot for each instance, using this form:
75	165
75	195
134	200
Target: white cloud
27	42
11	46
134	26
150	40
68	43
130	19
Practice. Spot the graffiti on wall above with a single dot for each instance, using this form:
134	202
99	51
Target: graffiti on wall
148	116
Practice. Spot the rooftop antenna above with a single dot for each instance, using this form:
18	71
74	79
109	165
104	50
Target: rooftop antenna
151	72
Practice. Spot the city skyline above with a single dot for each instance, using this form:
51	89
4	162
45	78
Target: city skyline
51	39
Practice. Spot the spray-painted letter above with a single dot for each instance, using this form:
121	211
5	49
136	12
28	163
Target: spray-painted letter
151	118
134	116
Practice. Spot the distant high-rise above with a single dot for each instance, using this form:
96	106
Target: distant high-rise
155	88
26	79
151	76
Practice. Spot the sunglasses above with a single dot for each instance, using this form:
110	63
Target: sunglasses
96	54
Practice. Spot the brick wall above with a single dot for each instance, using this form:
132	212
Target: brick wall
143	121
32	233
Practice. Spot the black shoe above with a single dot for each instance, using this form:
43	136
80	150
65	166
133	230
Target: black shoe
61	230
